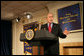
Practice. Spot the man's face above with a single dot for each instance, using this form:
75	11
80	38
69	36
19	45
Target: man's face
50	18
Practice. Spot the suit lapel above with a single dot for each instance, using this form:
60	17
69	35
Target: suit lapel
52	28
46	27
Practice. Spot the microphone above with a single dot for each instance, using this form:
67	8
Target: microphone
39	26
44	28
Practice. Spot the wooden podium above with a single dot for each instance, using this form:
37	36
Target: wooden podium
38	50
39	37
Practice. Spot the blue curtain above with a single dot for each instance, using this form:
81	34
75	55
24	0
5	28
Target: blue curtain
6	38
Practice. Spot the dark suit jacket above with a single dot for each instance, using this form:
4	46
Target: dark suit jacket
52	47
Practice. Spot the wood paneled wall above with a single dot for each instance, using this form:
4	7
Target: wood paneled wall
75	48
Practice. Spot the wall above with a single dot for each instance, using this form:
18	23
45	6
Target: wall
40	16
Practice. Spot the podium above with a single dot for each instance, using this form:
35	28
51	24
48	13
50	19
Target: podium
40	39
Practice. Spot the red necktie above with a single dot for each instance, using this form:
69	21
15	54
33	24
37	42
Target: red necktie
49	28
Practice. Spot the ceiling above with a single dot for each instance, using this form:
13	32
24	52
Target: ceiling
12	9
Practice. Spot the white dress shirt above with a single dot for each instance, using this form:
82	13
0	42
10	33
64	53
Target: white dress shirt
51	25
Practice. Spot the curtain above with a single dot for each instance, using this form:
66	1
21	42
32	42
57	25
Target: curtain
6	37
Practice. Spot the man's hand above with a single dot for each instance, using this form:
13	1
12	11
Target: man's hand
66	32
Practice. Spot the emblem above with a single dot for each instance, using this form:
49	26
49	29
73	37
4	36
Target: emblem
29	34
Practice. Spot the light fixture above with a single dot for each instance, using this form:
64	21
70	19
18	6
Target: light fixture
17	19
29	16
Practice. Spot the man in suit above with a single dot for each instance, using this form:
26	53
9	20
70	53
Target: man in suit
53	47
